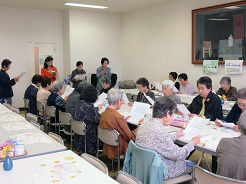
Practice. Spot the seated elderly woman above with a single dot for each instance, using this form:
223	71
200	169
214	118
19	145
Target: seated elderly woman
168	89
153	135
231	153
86	112
206	104
56	100
143	87
237	109
112	119
227	90
74	97
106	84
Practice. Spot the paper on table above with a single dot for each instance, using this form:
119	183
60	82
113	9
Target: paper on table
183	109
32	138
224	124
68	91
158	86
17	126
23	72
229	130
61	170
125	99
80	77
100	99
150	99
138	112
194	128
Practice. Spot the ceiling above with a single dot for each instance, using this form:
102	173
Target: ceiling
118	6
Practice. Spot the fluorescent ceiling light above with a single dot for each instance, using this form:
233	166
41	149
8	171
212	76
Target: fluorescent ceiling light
232	7
85	5
218	19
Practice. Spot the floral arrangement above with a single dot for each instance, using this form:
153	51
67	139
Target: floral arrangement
11	148
68	80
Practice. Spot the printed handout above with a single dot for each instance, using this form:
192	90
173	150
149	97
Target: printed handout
80	77
138	112
194	128
68	91
125	99
101	99
158	86
183	109
150	99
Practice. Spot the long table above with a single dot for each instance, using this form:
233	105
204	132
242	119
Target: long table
60	167
36	142
210	136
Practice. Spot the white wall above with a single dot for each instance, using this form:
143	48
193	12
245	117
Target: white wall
157	40
94	35
20	26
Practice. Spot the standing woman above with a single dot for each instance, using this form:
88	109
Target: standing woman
49	71
102	71
6	91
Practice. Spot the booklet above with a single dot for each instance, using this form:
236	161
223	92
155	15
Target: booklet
138	112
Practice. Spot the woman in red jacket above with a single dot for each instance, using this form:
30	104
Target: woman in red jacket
49	71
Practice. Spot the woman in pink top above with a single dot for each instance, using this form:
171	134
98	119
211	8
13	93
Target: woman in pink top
185	86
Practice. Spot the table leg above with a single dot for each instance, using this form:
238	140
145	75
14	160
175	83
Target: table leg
214	164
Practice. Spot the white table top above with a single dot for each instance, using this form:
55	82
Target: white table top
61	167
211	136
36	142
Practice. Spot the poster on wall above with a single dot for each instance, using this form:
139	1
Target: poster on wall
233	67
210	66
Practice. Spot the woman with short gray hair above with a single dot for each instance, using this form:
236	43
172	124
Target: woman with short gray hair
114	95
113	120
56	100
231	154
227	91
57	87
168	89
106	84
153	135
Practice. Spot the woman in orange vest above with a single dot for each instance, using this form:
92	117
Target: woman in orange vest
49	71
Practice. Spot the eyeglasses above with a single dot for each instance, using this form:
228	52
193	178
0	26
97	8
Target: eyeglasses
241	105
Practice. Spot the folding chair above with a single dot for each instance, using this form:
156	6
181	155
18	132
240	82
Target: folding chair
95	162
78	127
110	137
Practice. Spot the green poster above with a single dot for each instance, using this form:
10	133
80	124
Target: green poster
210	66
